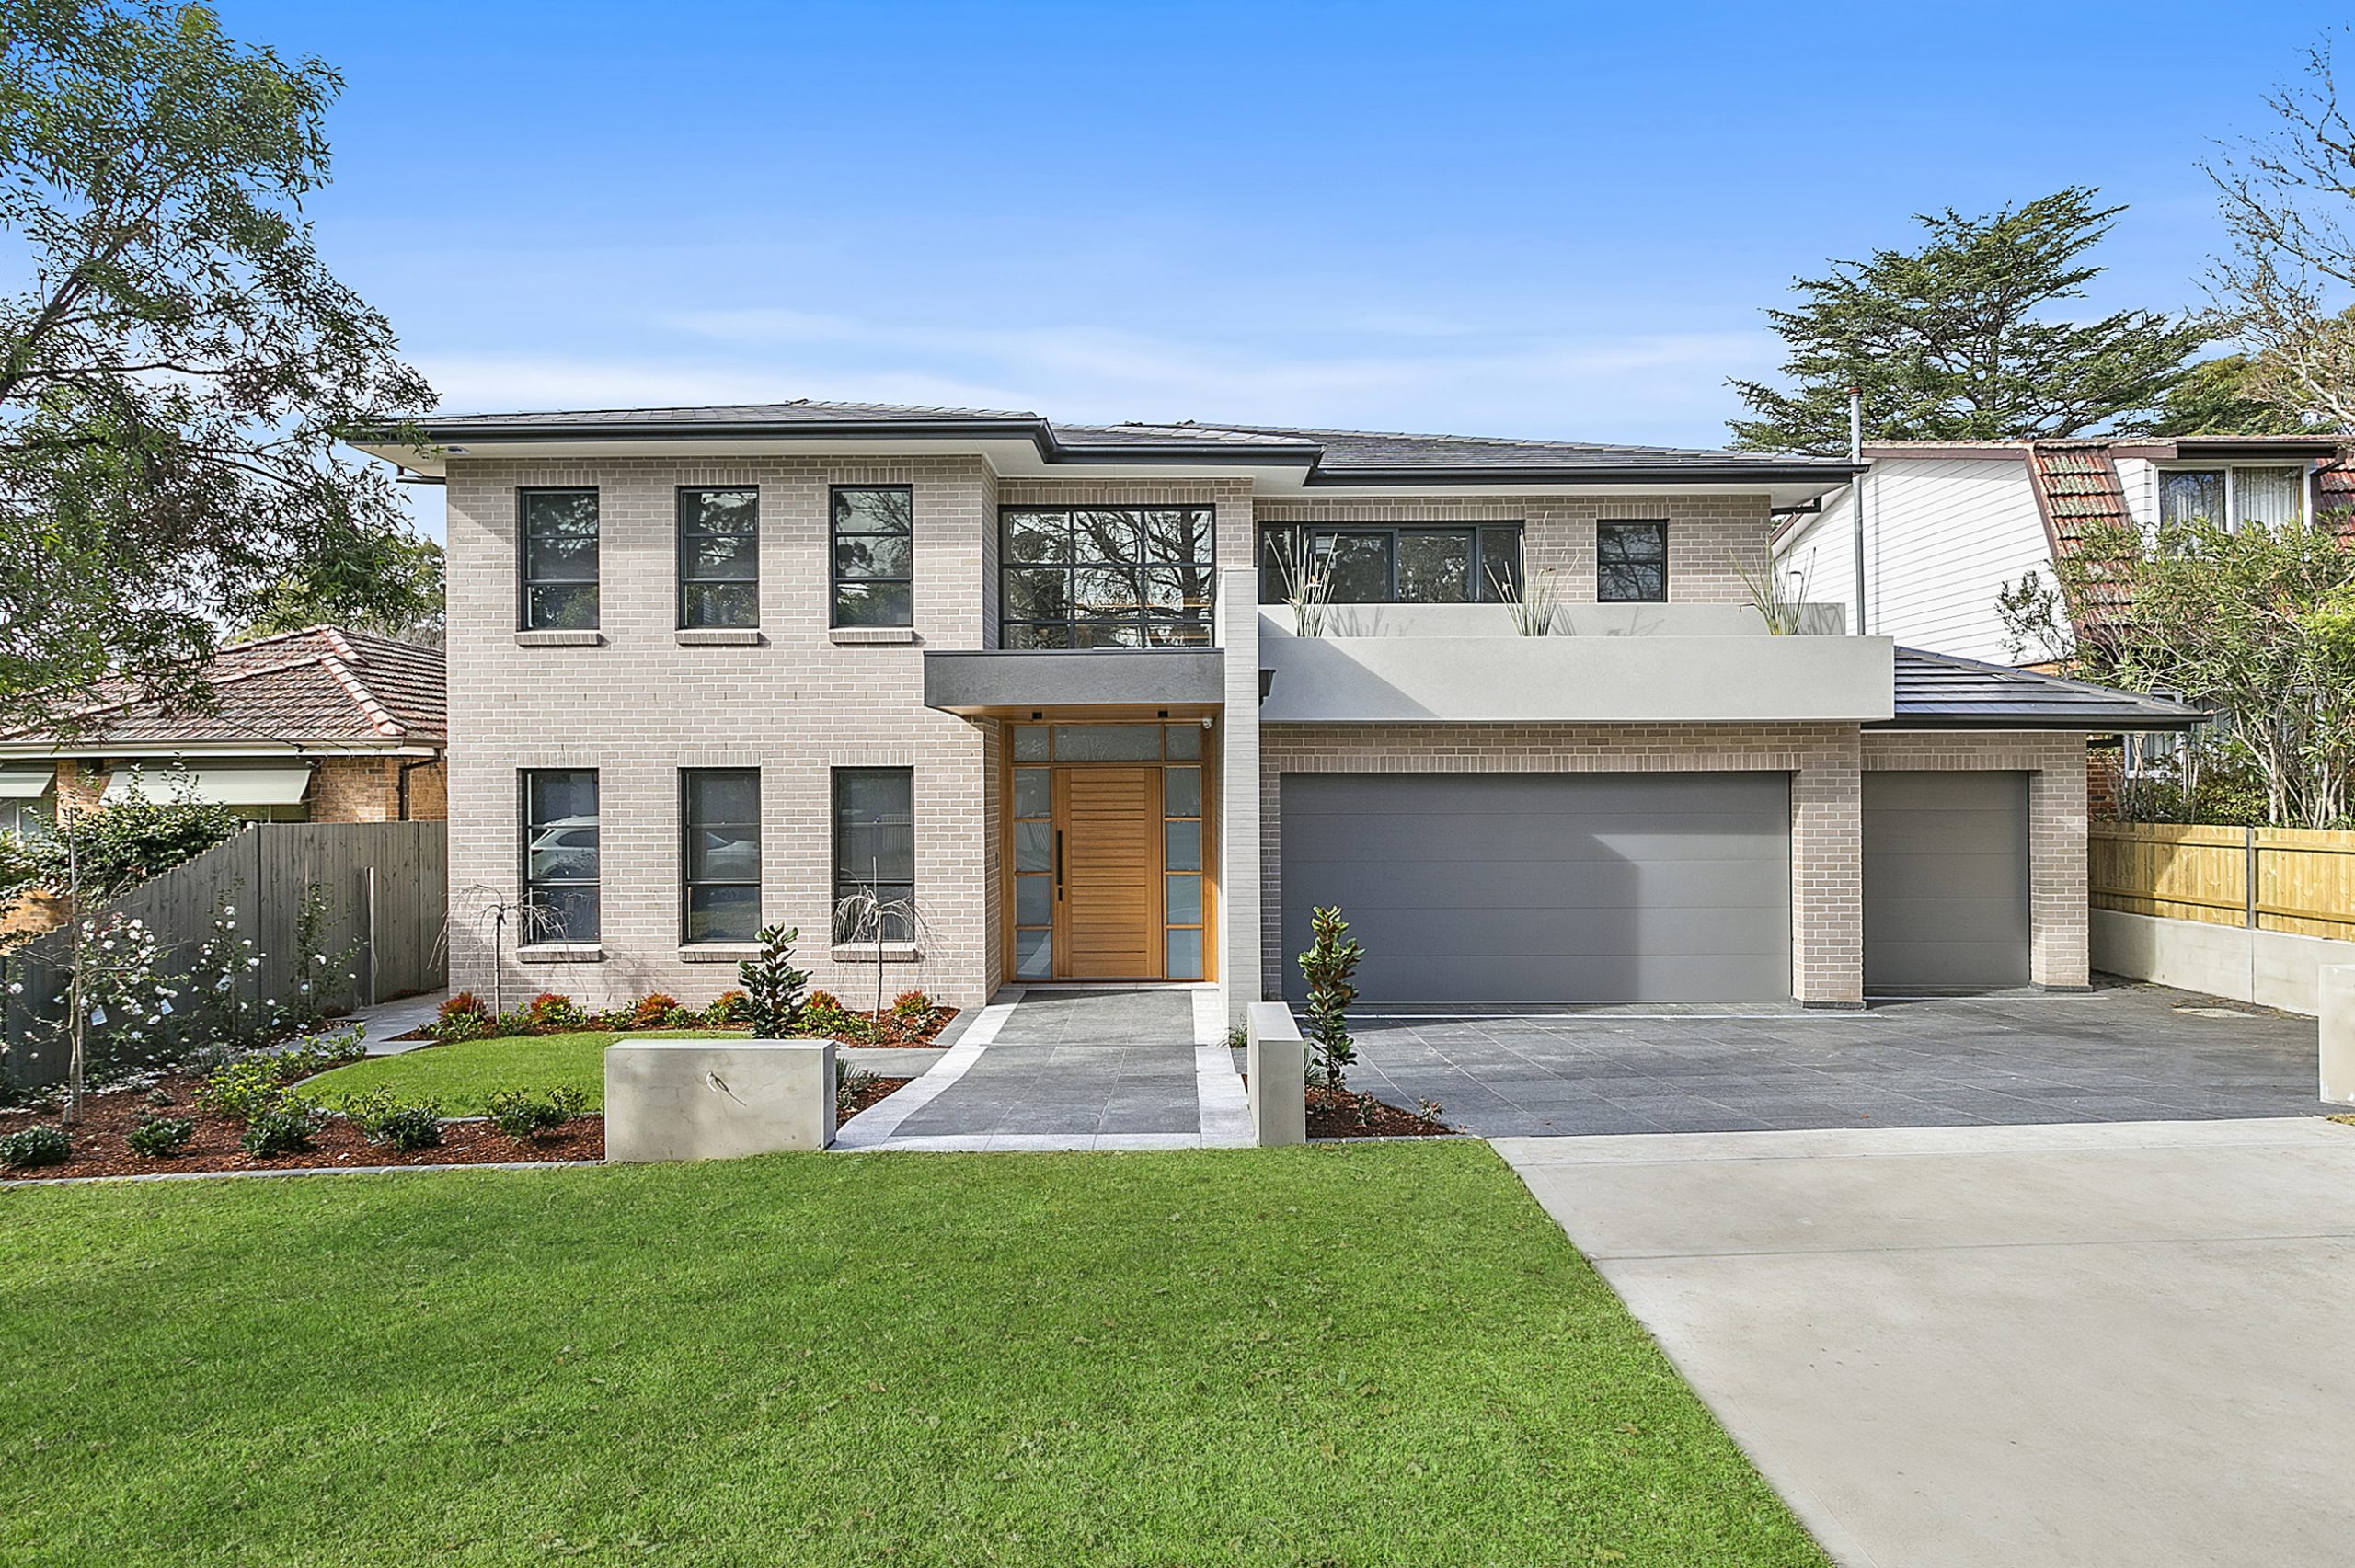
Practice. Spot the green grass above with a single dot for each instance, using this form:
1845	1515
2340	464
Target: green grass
1363	1355
464	1075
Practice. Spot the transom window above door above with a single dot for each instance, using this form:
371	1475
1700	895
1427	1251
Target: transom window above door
1378	564
1106	576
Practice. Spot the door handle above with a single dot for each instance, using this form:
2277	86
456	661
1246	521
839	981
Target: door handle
1059	866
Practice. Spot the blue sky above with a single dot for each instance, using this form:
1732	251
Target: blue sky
1481	218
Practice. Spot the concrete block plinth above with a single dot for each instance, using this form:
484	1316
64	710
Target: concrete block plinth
2335	1008
1277	1062
716	1099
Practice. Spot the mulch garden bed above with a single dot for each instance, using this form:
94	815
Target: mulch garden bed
892	1031
99	1148
1332	1115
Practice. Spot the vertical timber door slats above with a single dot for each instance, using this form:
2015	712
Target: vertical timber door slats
1108	909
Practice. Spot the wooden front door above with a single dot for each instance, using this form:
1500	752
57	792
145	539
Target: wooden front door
1108	919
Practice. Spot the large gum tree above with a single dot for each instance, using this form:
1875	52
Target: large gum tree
177	364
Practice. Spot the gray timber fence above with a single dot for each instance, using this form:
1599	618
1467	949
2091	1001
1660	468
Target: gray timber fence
386	885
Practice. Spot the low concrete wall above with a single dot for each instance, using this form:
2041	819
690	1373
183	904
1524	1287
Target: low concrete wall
2271	968
1276	1061
716	1099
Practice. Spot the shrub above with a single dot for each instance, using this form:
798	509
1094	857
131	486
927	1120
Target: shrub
1330	964
911	1004
160	1137
729	1009
552	1012
286	1127
321	1052
385	1117
244	1088
462	1017
520	1113
651	1012
32	1146
773	1004
850	1082
822	1014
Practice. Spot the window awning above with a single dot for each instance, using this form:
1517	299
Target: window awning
214	786
25	783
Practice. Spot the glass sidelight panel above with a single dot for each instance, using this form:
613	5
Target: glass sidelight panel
1183	842
1034	862
1182	879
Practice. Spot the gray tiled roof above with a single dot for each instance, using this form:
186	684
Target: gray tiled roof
1333	456
1938	690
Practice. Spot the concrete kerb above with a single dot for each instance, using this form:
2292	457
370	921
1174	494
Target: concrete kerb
302	1171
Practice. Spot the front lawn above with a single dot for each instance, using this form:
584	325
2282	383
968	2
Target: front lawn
1367	1354
464	1074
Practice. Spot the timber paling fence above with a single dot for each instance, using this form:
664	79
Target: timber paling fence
2300	880
387	890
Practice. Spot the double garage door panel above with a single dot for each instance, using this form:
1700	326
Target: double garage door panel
1546	887
1945	881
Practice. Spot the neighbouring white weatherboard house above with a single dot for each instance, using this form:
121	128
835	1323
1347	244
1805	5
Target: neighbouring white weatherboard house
712	668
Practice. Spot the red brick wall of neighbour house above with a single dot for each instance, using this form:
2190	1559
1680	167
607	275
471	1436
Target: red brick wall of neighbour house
78	787
1827	870
2059	953
639	706
1709	536
368	789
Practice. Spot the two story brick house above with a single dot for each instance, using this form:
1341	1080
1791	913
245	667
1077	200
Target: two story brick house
713	667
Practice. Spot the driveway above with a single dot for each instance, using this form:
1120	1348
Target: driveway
2124	1053
2088	1344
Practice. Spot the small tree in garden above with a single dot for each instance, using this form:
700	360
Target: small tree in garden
1330	963
772	985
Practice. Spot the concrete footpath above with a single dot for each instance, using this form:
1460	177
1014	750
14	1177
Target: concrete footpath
2069	1344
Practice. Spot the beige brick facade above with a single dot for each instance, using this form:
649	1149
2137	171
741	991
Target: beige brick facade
639	706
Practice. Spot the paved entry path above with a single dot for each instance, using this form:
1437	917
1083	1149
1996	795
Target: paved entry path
1994	1347
1071	1070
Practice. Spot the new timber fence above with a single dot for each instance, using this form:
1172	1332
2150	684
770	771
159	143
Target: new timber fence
2297	880
386	885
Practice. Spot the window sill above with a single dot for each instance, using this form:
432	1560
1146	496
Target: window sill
864	953
552	637
872	637
561	953
718	952
718	637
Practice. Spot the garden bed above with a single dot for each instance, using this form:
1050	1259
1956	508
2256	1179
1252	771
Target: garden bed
913	1021
1343	1115
100	1148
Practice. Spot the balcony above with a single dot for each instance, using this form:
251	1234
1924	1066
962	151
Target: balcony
1602	664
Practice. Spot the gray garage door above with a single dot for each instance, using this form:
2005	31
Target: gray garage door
1546	887
1945	881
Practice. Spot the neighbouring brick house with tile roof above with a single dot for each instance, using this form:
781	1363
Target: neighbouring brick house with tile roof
322	725
719	668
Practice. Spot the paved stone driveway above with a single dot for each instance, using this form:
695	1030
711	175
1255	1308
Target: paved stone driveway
2123	1053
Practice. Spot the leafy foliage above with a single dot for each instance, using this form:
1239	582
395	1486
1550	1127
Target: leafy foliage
160	1137
386	1118
388	583
120	844
523	1112
2256	622
176	364
32	1146
462	1017
1952	341
1330	964
773	985
286	1127
2223	396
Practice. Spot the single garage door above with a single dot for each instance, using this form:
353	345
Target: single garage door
1546	887
1945	881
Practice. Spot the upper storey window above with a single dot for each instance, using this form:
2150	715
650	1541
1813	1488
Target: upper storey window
2231	497
874	548
1631	562
1106	576
1371	564
720	558
559	576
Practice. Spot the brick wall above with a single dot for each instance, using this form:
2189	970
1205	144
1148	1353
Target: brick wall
638	707
1709	536
2058	951
1827	870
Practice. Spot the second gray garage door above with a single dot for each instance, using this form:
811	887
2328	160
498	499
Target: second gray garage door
1546	887
1945	882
